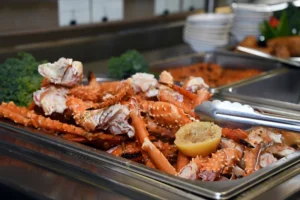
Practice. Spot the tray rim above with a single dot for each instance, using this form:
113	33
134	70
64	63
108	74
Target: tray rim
225	92
231	189
53	147
218	52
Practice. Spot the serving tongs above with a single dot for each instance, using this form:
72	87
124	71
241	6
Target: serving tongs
268	56
236	115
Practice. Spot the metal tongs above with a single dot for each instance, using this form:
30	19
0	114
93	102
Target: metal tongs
268	56
236	115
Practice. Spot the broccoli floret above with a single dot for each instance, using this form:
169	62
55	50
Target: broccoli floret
127	64
19	78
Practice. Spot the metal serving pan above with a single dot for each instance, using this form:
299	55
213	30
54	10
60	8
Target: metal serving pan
66	170
280	90
224	58
138	175
281	186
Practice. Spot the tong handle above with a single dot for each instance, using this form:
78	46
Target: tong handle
270	118
258	122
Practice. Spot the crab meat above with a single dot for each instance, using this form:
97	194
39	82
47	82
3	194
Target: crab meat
143	82
51	99
114	119
266	159
194	84
166	77
280	150
190	171
64	72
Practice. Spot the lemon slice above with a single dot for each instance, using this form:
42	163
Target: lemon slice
198	138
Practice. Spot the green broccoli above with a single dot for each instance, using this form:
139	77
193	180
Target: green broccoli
19	78
127	64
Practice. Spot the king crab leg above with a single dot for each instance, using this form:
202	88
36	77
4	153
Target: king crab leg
158	159
124	89
182	161
28	118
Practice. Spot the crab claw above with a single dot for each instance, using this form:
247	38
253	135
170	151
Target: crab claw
64	72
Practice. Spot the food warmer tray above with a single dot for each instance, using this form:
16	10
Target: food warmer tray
224	59
279	90
282	186
130	174
38	166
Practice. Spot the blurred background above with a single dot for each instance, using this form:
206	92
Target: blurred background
19	15
94	30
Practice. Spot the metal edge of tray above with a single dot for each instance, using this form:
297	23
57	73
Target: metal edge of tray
281	186
215	190
225	59
55	155
289	108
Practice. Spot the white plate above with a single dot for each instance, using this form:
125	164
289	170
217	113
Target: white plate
208	28
206	36
210	18
249	21
250	8
240	28
204	47
245	31
207	31
205	42
255	16
241	37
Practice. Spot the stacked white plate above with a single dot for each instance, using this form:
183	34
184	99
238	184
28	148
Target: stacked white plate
248	18
206	32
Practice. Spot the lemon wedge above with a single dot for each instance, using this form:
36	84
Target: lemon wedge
198	138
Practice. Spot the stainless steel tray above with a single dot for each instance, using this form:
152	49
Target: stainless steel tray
224	58
142	174
281	186
279	89
54	168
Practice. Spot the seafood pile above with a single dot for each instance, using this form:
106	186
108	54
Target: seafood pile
149	121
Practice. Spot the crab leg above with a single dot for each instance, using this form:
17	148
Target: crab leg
251	159
166	96
17	118
237	135
123	90
196	99
28	117
181	90
182	161
149	163
74	138
202	95
157	130
158	159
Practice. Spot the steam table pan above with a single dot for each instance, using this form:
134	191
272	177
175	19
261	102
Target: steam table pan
131	175
134	176
37	166
280	90
224	59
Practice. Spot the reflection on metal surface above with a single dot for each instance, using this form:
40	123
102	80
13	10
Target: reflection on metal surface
127	176
43	183
282	186
278	89
268	56
63	171
223	58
